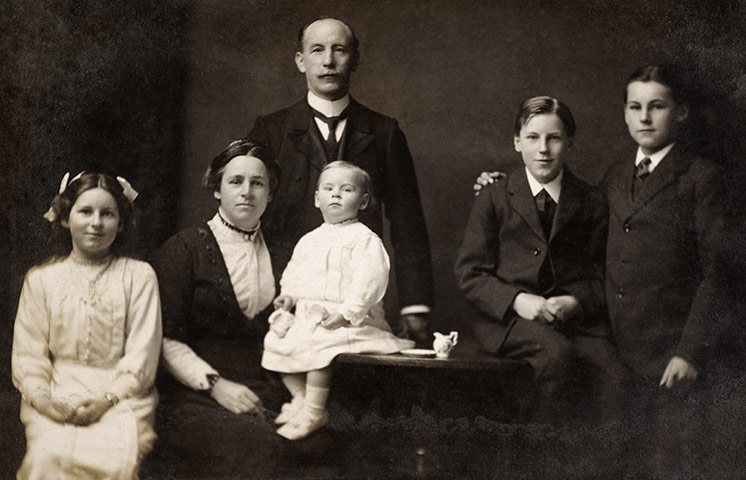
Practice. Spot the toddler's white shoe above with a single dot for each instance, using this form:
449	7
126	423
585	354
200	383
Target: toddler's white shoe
303	424
289	410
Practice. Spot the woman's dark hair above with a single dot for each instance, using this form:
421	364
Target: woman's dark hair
60	242
667	75
214	174
540	105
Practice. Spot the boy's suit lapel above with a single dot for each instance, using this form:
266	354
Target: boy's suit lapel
569	203
664	175
523	202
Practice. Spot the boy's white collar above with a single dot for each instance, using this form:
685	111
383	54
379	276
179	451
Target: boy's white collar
655	158
553	188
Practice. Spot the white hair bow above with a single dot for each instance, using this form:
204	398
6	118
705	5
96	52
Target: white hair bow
129	192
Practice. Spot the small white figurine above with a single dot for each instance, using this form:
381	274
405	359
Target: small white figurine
443	344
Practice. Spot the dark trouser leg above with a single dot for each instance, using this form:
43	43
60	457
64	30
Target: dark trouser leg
609	378
677	431
550	355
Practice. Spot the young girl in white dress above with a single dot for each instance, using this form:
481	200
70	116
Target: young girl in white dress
335	280
86	341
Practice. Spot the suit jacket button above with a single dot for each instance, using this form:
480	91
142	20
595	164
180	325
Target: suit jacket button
213	261
619	293
537	252
627	228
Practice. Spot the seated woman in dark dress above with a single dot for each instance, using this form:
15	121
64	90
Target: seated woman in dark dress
215	281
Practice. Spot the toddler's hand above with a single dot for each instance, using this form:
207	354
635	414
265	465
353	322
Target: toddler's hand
284	302
334	321
280	322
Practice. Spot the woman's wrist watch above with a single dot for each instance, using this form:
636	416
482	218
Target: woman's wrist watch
212	379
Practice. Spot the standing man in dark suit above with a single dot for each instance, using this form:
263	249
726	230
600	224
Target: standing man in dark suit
532	260
327	125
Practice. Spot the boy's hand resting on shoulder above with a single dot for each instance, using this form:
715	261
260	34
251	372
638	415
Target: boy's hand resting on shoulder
235	397
678	370
485	178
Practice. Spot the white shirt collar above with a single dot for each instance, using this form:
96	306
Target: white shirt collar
328	108
553	188
655	158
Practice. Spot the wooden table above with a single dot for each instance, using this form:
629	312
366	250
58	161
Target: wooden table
466	384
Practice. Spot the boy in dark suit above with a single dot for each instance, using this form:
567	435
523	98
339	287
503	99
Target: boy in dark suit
532	263
663	290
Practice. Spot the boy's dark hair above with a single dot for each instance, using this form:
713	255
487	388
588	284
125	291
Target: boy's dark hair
214	173
60	241
539	105
667	75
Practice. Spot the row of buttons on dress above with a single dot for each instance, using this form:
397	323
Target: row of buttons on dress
220	280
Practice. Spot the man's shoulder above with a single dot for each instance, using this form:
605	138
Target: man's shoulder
297	107
374	117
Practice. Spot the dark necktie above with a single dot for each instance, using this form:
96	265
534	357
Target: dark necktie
332	145
642	170
546	207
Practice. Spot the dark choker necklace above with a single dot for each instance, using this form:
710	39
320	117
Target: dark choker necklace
246	233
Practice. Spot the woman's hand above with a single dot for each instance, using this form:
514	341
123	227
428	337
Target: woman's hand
59	412
334	321
284	302
90	411
235	397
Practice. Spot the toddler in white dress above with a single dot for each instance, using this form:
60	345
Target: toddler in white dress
335	280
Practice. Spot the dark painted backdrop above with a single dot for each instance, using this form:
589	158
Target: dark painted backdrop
153	89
